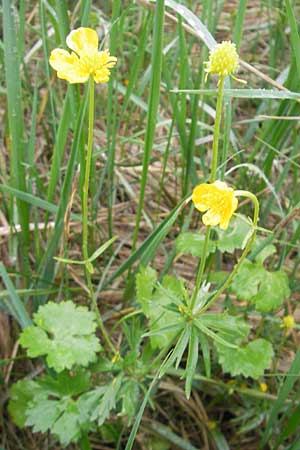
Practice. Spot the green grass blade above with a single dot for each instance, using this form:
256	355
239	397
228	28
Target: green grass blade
85	10
112	117
244	93
149	246
16	307
239	23
295	38
286	389
15	118
59	147
34	201
156	67
46	268
46	64
191	363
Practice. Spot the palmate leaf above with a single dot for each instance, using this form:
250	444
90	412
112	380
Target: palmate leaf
64	333
129	394
251	360
193	243
235	236
273	290
267	290
48	404
21	394
159	303
229	240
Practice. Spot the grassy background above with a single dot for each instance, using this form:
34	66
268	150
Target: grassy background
151	146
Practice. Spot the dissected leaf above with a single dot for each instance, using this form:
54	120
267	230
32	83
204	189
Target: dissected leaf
267	290
66	383
193	244
273	290
21	394
160	305
65	333
228	325
235	235
245	283
108	401
228	240
251	360
129	393
68	427
52	404
161	316
145	282
42	413
267	251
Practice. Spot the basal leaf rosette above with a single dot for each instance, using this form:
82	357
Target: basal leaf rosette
65	333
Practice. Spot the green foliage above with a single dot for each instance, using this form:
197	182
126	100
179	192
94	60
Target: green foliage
229	240
64	405
160	305
267	290
251	360
235	236
21	394
193	243
129	393
168	310
65	333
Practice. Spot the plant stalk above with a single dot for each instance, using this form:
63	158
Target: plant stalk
224	286
214	165
85	213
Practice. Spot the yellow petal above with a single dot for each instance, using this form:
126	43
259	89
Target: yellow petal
103	63
218	200
102	75
67	66
82	40
211	218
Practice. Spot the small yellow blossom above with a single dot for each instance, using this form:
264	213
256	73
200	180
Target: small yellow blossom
218	200
223	59
263	387
212	425
288	322
84	61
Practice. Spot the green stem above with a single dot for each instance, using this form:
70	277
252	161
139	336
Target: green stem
84	441
244	254
215	150
85	213
201	268
214	165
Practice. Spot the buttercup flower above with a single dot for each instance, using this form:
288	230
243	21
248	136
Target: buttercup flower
223	59
84	61
263	386
218	200
288	322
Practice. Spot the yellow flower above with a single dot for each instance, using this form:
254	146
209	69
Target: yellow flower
223	59
263	387
85	62
288	322
218	200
